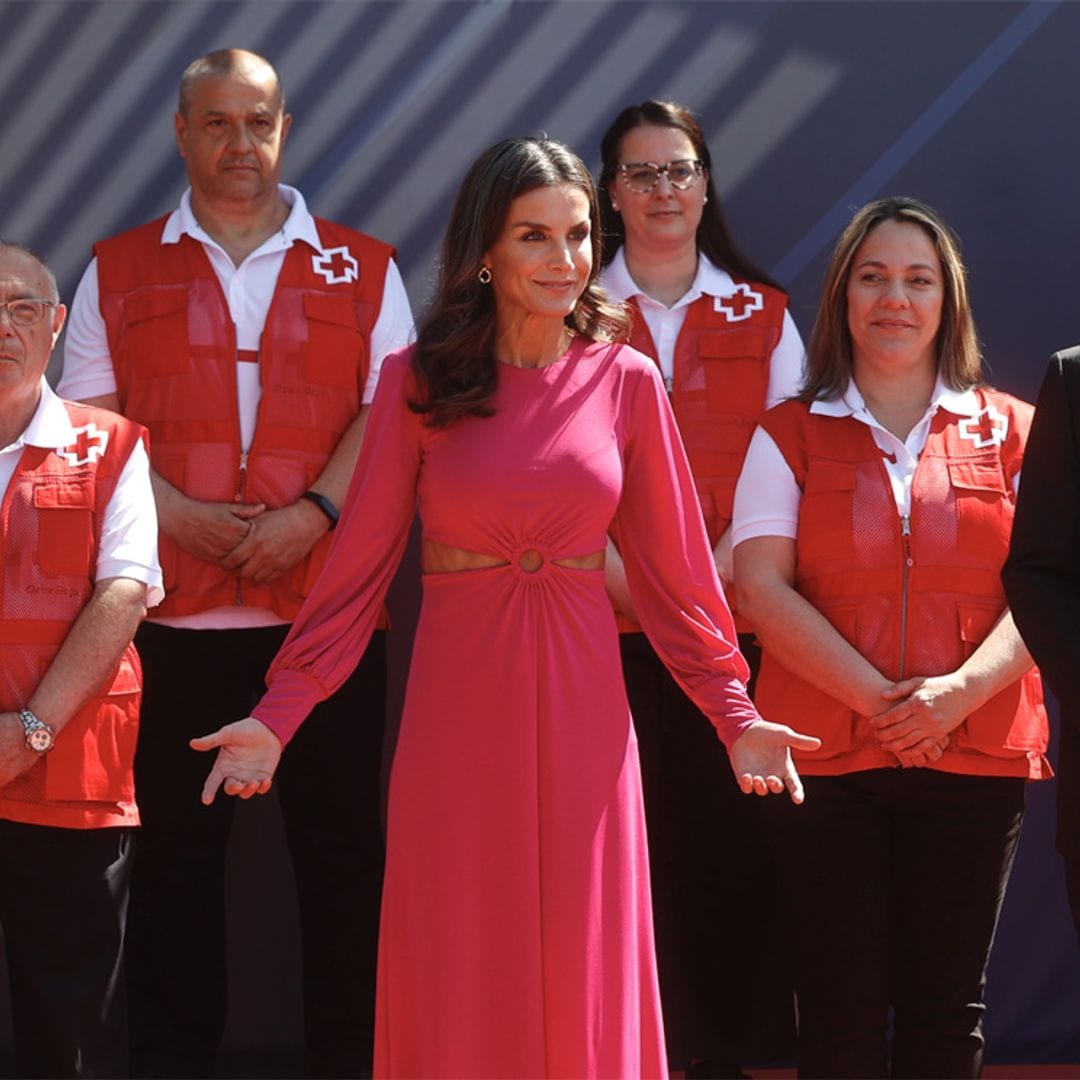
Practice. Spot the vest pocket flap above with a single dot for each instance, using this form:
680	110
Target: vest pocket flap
70	496
127	679
155	303
336	354
978	475
338	310
976	622
825	475
745	344
65	544
1011	725
95	753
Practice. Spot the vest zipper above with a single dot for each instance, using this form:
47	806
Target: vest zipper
905	535
241	483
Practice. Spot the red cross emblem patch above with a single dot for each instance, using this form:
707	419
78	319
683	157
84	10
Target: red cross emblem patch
337	265
741	304
988	428
88	446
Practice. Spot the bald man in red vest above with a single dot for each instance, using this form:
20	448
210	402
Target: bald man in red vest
246	335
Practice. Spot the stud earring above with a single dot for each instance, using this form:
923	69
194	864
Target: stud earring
484	277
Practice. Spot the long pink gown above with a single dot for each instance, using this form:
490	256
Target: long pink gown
516	936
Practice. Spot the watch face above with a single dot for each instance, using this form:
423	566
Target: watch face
40	740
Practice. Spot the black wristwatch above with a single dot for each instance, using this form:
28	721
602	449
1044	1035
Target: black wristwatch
325	505
39	735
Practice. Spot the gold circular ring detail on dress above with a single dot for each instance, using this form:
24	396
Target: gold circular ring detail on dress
530	560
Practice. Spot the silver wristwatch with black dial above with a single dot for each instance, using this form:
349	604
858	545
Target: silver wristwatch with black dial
39	735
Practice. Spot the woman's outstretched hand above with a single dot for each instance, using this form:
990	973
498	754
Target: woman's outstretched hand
248	754
761	759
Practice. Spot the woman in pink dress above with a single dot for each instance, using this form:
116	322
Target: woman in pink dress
516	936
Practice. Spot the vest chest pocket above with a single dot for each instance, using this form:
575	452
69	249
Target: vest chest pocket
977	476
337	353
155	333
826	511
736	371
984	506
64	514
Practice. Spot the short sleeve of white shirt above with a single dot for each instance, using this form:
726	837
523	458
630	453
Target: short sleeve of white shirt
129	537
127	544
393	328
88	370
767	496
786	365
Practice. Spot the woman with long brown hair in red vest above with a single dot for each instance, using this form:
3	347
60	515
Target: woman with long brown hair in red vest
872	520
720	332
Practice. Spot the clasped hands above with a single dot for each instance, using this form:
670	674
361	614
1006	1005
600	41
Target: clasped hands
925	710
257	543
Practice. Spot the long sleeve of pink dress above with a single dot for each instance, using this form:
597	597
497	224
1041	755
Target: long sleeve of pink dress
516	933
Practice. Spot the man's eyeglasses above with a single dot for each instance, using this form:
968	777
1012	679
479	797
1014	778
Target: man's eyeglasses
26	312
643	176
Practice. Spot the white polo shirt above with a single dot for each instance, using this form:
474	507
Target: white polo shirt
127	545
249	290
664	323
767	497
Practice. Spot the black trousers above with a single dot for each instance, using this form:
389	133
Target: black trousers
1072	886
895	879
328	784
1068	810
63	904
724	980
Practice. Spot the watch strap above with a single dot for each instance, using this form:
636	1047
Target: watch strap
325	505
32	724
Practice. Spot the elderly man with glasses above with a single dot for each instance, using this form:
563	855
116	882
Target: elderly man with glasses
247	336
79	540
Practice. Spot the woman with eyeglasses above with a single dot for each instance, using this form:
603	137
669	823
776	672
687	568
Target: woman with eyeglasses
516	936
872	520
720	333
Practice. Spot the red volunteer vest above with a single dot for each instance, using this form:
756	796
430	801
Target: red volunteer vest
915	597
718	391
50	517
173	349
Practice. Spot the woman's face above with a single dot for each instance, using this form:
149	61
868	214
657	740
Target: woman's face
894	296
541	261
665	218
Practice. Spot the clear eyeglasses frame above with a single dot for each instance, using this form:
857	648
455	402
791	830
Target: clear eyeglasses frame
26	312
642	176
